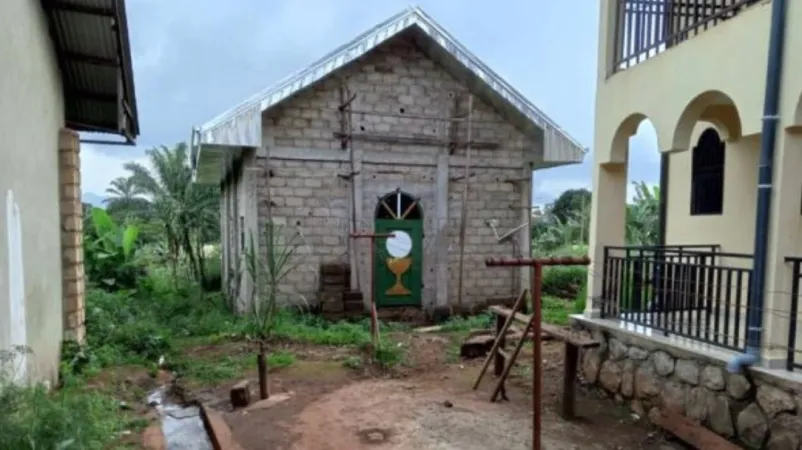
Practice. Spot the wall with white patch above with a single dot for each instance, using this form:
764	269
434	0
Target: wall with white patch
31	115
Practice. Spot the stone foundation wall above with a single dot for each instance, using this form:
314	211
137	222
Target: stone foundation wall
754	410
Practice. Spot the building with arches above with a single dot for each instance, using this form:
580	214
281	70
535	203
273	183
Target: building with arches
373	138
698	72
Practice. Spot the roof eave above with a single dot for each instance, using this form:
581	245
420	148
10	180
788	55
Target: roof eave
241	125
125	121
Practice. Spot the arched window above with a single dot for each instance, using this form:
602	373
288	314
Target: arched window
399	206
707	174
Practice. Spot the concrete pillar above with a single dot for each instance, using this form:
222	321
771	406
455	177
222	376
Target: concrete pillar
607	222
72	253
525	234
224	263
784	240
358	279
441	237
249	221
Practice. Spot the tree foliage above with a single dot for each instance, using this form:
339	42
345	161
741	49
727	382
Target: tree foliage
175	215
566	222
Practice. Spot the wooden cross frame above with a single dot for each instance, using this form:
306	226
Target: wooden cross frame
394	215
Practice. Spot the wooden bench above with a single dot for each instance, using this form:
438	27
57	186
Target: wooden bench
503	360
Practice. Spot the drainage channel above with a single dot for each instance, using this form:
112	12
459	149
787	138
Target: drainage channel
182	426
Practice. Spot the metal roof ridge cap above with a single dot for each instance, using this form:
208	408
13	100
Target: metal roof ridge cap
428	20
288	79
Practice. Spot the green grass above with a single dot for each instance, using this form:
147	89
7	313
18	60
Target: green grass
35	419
217	369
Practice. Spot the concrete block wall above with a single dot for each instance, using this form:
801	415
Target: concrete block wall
72	253
490	198
306	159
311	204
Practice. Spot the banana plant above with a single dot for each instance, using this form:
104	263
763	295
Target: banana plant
109	250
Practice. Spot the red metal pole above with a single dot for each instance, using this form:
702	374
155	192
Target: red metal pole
537	317
537	359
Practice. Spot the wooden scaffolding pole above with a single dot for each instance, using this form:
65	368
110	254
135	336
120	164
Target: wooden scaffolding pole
346	143
464	212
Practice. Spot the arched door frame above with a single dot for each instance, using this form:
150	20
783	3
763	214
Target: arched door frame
399	277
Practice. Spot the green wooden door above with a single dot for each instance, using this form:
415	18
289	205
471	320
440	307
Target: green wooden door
399	263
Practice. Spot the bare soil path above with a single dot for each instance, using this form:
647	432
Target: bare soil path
426	406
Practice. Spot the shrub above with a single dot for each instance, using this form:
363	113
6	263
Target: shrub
33	418
109	252
564	281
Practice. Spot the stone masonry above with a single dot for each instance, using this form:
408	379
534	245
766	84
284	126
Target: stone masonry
310	180
756	411
72	254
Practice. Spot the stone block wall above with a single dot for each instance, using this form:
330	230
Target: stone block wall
755	411
310	188
72	253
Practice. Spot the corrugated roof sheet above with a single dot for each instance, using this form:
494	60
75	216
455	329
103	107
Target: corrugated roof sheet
241	125
91	41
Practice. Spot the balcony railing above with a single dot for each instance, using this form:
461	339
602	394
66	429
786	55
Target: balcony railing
796	274
696	292
644	28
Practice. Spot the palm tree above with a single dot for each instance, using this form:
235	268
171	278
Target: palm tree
124	199
187	211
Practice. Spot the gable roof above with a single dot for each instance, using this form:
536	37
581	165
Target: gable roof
241	126
94	56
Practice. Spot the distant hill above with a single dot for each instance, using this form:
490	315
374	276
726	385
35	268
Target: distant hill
93	199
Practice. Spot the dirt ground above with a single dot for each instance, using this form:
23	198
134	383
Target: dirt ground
428	405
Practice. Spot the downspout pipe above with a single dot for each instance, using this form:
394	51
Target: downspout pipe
771	119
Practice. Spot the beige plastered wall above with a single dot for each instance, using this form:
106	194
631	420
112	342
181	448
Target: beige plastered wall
31	115
717	76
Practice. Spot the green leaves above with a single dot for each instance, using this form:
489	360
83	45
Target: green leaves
566	222
268	271
109	251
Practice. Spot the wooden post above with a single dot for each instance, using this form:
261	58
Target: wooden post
501	332
464	213
346	143
374	315
498	362
569	380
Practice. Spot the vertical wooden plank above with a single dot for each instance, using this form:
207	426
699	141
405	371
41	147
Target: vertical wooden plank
569	380
498	363
464	209
441	226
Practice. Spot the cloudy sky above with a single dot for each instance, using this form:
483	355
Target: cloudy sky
193	59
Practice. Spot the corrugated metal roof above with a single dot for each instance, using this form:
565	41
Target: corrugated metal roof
241	125
91	41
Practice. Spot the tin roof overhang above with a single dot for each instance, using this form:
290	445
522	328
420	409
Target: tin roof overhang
241	126
94	55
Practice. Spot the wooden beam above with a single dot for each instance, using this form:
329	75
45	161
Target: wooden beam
559	333
416	140
83	9
690	432
89	59
93	96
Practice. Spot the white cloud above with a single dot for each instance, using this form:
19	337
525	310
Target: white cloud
98	168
